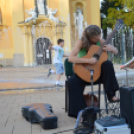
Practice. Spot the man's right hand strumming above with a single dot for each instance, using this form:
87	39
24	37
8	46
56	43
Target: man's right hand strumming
92	60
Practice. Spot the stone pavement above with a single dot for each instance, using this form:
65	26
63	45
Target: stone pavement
12	122
36	77
34	83
29	77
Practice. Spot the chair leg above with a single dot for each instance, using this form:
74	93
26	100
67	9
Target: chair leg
105	97
66	95
67	98
99	96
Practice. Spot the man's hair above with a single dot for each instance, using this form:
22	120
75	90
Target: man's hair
59	41
89	32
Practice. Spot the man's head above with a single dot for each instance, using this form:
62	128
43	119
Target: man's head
60	42
91	35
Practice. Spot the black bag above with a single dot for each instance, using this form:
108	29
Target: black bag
87	98
89	115
127	105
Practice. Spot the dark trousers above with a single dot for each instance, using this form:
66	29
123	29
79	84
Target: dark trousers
76	88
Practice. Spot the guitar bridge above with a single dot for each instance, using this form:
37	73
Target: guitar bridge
88	68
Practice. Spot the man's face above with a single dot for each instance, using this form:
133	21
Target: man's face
95	39
62	44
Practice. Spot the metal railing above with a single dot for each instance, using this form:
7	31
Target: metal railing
124	42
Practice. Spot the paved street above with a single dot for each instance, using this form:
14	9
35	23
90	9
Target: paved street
12	122
37	88
36	77
29	77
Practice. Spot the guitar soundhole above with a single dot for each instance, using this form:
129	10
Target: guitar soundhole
96	56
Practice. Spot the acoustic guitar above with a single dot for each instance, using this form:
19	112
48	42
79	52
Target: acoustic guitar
83	70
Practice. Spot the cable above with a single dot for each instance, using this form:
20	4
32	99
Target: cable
66	130
83	131
78	130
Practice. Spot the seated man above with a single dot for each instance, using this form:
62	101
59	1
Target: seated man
91	35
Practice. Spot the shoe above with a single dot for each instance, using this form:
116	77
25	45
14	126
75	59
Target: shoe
110	99
58	86
49	72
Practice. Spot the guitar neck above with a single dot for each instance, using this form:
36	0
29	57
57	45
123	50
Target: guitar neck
106	42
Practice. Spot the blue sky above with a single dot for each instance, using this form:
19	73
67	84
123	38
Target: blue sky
100	1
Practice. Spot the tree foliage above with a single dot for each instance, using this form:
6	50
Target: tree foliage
111	10
122	9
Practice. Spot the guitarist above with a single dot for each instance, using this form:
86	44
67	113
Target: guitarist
91	35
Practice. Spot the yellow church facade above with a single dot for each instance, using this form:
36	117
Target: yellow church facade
28	26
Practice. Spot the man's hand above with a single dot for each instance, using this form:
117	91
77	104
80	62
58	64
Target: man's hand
92	60
110	48
50	46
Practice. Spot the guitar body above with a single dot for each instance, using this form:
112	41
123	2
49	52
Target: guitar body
81	69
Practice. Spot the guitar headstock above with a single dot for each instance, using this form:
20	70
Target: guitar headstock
118	24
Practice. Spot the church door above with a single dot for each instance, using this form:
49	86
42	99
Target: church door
43	53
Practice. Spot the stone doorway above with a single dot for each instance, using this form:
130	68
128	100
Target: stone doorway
43	54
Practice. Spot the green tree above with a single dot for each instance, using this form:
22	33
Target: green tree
128	12
124	11
108	8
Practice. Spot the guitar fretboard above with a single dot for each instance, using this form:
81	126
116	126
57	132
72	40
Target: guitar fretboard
106	42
